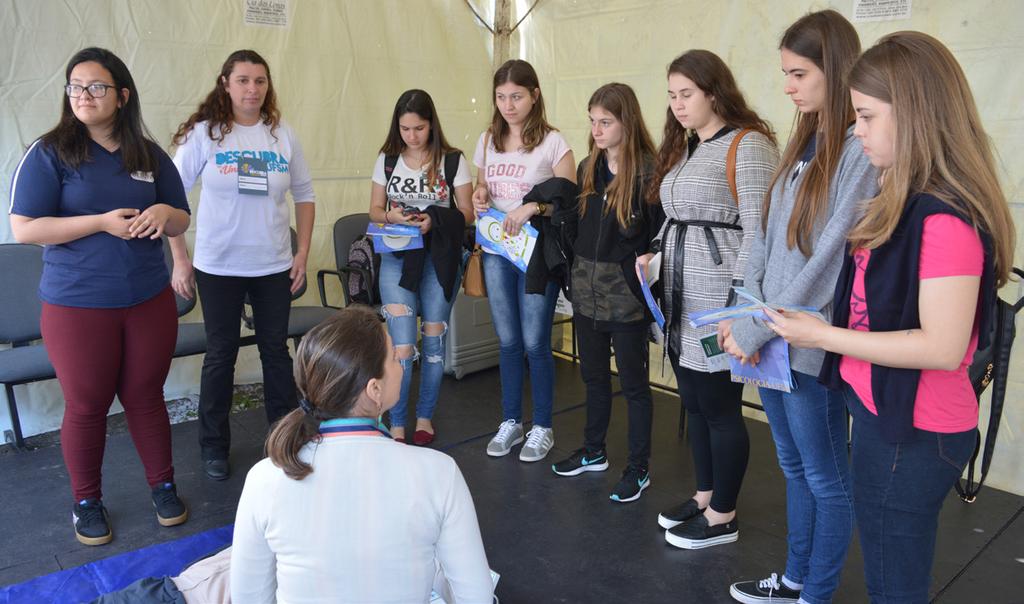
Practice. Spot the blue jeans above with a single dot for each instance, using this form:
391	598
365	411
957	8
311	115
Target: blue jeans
809	428
429	302
523	323
898	490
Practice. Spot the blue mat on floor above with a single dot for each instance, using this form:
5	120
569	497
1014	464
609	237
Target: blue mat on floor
90	581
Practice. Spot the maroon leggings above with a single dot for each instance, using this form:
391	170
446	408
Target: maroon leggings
100	352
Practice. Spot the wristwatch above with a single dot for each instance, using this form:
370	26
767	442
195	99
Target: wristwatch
541	207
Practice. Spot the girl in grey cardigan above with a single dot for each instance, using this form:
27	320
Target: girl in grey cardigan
795	260
704	245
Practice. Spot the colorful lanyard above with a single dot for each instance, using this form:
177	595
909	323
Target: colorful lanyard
353	426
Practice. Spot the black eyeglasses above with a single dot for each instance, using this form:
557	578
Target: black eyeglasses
96	91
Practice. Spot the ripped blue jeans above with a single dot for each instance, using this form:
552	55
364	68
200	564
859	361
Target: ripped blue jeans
400	308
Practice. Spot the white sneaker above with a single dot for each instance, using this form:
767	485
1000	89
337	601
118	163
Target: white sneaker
538	442
510	434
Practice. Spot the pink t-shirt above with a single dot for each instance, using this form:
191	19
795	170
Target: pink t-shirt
945	399
512	174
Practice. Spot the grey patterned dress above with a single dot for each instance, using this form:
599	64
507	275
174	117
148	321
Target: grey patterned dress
697	189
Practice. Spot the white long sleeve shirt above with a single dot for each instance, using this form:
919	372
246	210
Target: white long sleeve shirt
366	526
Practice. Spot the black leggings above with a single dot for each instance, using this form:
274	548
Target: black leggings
718	435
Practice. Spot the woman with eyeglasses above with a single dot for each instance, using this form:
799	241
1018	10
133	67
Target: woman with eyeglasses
248	158
99	193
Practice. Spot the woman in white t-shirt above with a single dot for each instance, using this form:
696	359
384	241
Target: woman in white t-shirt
519	150
248	159
338	512
412	186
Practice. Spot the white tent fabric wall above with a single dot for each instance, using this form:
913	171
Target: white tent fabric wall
340	65
338	69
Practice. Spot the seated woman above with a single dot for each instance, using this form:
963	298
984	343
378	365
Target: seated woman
340	512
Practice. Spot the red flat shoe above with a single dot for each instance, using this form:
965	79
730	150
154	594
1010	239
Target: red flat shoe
399	439
422	438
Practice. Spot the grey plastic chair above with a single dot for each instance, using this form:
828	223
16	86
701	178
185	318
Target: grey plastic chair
191	336
27	361
346	230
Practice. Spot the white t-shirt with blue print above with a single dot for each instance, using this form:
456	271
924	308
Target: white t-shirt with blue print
238	233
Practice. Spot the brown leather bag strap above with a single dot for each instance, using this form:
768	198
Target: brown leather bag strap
730	163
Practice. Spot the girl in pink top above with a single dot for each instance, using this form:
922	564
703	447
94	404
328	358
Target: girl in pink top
913	298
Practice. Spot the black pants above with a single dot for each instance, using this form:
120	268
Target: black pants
222	299
595	365
718	435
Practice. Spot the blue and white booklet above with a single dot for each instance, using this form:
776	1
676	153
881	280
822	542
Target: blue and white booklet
490	235
773	370
394	237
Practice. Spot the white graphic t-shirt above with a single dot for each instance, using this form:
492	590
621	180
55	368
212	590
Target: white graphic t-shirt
410	187
512	174
243	219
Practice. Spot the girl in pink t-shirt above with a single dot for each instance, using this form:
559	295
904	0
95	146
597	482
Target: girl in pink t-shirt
518	151
940	217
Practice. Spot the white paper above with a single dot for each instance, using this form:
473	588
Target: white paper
266	12
880	10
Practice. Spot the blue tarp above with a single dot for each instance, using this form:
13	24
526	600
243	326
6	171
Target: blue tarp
89	581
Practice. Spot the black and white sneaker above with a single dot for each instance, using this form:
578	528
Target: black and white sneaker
581	460
771	590
696	534
634	480
679	514
92	525
170	510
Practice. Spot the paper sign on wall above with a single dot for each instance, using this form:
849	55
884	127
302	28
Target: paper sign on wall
880	10
266	12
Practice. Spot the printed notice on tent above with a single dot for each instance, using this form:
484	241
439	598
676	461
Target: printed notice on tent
273	13
880	10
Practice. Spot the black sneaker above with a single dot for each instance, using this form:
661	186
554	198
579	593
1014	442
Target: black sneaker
771	590
696	534
679	514
170	510
217	469
581	460
634	480
92	525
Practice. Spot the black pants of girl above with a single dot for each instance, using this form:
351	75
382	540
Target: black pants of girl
631	359
718	435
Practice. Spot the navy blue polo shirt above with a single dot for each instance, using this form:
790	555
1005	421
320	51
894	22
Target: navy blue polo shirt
98	270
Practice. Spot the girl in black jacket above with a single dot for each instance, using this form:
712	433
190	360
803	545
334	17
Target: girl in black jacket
614	226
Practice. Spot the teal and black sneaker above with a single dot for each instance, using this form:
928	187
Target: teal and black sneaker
581	460
634	480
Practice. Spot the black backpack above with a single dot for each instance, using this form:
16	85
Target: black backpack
991	366
362	282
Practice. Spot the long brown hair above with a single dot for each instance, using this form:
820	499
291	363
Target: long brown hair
536	127
941	147
216	107
334	362
635	151
419	103
714	78
828	40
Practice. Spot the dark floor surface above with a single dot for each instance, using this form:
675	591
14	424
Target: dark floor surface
552	539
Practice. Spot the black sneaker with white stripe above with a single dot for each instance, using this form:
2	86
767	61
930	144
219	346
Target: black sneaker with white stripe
92	525
676	515
771	590
581	460
697	534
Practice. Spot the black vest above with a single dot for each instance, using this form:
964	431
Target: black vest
892	284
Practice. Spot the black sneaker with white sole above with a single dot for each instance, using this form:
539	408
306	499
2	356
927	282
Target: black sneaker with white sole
674	516
771	590
92	525
697	534
581	460
633	482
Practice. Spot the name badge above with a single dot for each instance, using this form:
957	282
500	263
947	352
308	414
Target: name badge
143	176
252	176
